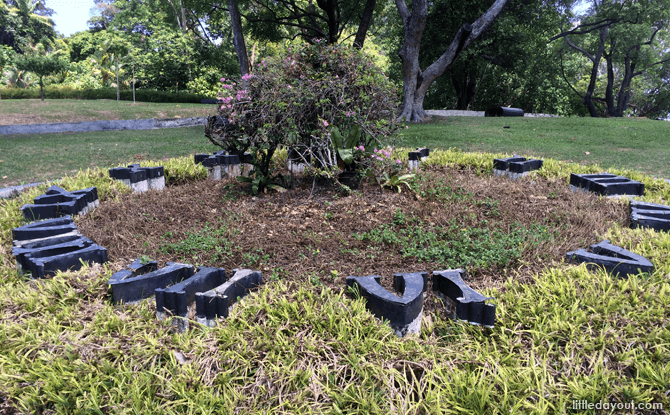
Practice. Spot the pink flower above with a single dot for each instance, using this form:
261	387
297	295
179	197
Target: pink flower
222	106
375	150
398	161
406	127
223	79
247	77
288	86
362	148
325	123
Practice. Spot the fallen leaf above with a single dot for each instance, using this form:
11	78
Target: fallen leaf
587	153
4	177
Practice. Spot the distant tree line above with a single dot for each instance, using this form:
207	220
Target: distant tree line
605	58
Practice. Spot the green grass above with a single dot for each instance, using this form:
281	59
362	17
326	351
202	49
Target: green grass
570	335
40	157
30	111
638	144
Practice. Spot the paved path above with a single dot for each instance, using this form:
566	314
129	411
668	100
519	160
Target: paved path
108	125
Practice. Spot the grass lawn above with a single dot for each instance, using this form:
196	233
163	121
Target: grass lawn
35	111
637	144
302	344
39	157
627	143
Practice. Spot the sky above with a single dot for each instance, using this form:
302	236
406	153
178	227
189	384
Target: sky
71	15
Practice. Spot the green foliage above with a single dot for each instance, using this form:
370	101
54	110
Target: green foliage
294	101
41	65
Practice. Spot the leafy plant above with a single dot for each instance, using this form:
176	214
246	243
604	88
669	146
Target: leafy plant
395	181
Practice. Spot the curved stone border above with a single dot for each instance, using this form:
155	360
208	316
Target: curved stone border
460	113
615	260
649	215
403	313
142	280
107	125
469	305
216	302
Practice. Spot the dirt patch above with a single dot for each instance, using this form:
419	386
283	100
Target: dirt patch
317	238
18	119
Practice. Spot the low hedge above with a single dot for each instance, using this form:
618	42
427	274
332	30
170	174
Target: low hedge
67	92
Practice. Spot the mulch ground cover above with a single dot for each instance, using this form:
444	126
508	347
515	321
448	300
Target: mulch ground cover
317	234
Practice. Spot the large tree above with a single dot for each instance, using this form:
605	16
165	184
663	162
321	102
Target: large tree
416	81
630	36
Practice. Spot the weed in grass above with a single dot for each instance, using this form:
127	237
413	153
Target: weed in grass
199	243
454	246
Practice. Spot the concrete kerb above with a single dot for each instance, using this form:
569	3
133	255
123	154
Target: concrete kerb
106	125
468	305
404	313
216	302
615	260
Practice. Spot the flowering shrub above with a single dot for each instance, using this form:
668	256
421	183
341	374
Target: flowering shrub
293	101
385	169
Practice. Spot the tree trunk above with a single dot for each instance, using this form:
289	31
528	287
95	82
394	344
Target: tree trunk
238	37
588	97
41	88
609	94
366	20
624	89
118	91
415	82
465	86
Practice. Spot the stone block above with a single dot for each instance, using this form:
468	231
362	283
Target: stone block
53	244
615	260
44	229
216	302
649	215
142	280
199	158
174	300
415	157
515	167
58	202
469	305
140	179
48	261
403	313
606	184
